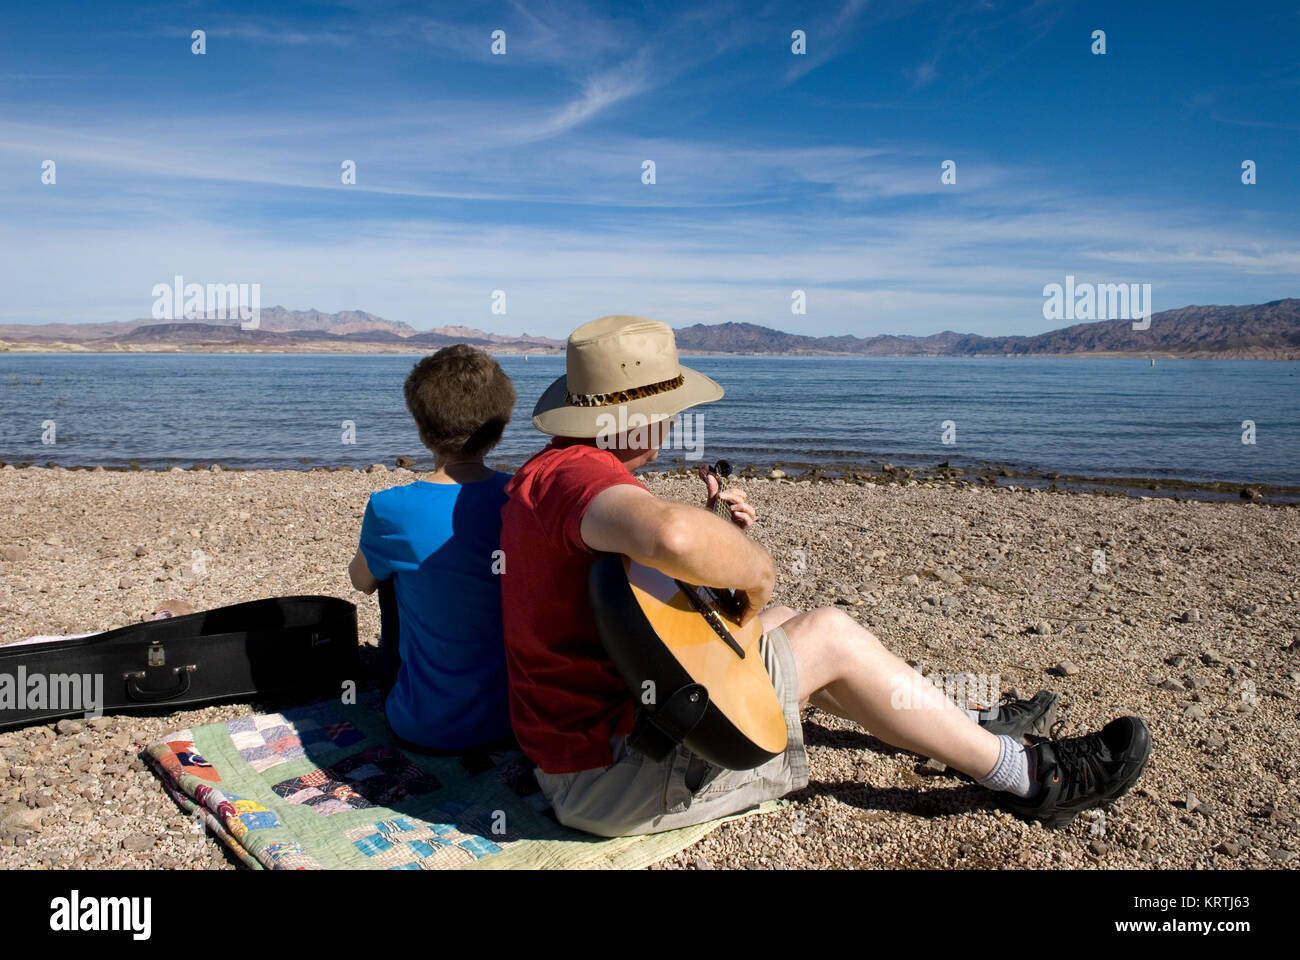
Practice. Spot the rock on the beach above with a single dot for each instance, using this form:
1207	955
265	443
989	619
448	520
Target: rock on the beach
1171	684
776	474
1194	712
1066	668
69	727
376	468
1042	628
18	817
13	553
932	768
1228	848
1192	615
173	608
1099	848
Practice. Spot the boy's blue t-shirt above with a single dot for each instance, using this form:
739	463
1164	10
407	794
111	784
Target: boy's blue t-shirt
437	540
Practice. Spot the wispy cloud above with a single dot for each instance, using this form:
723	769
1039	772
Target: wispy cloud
863	274
827	38
277	35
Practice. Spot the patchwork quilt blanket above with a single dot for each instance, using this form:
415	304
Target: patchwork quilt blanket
327	786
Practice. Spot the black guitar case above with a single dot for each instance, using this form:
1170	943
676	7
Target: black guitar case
281	645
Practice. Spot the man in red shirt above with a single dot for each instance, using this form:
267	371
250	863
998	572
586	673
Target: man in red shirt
572	714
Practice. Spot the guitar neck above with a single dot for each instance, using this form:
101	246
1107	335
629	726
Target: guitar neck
722	508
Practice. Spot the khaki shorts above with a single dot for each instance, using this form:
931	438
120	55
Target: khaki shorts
638	795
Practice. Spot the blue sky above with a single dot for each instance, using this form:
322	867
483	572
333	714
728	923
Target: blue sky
774	172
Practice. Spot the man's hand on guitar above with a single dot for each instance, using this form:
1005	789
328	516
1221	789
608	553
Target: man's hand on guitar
755	599
731	503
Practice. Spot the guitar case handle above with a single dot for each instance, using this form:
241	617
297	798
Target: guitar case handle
656	734
139	693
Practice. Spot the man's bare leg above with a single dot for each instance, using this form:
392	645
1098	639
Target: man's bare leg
777	616
844	669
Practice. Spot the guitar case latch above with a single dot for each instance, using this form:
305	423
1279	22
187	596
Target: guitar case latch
657	733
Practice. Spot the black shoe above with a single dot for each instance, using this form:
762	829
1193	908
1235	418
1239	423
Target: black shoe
1021	718
1083	772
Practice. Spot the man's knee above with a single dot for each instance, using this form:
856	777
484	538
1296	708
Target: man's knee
836	621
833	630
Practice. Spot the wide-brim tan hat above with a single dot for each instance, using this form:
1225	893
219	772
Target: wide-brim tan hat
617	370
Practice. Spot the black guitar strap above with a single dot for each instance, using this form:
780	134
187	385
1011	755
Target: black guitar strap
657	733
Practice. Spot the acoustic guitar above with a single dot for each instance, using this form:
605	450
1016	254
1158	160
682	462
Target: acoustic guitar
694	669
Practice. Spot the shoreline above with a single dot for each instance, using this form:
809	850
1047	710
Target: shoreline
869	472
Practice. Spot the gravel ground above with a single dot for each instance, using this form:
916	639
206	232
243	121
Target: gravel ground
1187	617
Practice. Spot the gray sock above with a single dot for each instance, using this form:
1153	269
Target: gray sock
1014	771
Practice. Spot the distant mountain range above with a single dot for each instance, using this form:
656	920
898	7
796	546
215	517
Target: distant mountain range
279	329
1261	331
1269	330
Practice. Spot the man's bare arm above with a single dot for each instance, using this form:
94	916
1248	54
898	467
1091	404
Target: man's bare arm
685	542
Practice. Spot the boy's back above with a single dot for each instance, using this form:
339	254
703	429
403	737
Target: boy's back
438	541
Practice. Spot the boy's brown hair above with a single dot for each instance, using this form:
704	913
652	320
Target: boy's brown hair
461	400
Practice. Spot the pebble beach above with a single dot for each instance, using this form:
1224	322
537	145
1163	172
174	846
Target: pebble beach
1185	613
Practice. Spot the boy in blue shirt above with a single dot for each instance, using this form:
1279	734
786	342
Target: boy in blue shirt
439	541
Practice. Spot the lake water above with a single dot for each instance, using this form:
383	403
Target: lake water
1180	420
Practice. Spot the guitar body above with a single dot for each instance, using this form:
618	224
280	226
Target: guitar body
657	629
